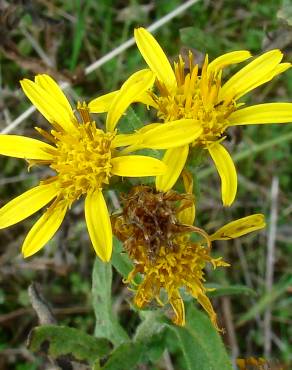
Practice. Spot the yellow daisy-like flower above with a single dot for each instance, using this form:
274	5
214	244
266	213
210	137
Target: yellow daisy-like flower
153	136
156	229
183	92
83	158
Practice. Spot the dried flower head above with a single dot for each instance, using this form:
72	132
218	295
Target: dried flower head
156	230
152	218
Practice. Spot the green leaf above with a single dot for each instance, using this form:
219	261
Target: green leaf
203	41
83	8
156	347
151	331
130	122
125	356
59	341
200	343
153	322
148	344
107	325
120	260
196	157
266	300
229	290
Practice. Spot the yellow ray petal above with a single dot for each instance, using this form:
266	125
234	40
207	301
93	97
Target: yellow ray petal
52	88
24	147
175	160
129	92
26	204
171	134
254	74
227	59
137	77
148	127
146	98
178	307
124	140
49	107
261	114
226	170
280	68
99	225
207	305
136	166
136	139
240	227
188	182
102	103
44	229
155	57
187	215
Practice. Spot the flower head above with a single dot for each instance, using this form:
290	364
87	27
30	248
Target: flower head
186	92
157	232
83	158
153	136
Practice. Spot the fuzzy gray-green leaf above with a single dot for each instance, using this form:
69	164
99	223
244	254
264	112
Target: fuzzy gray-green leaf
200	343
65	342
107	324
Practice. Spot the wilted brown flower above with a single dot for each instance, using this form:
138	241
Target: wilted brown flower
157	232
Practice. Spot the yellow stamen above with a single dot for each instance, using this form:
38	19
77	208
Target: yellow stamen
82	160
195	97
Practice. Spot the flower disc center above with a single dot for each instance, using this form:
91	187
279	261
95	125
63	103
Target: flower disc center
195	97
82	160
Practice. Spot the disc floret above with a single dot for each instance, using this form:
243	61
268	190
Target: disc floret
195	97
82	160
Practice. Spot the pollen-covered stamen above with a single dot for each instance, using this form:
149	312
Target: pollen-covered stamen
172	270
83	111
81	157
195	97
82	160
46	135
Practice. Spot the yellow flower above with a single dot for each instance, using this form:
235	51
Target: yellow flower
185	93
83	158
253	363
156	229
153	136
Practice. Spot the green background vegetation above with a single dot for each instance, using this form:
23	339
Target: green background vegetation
62	38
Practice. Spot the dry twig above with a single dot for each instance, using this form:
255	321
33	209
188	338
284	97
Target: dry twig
270	264
41	306
231	333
